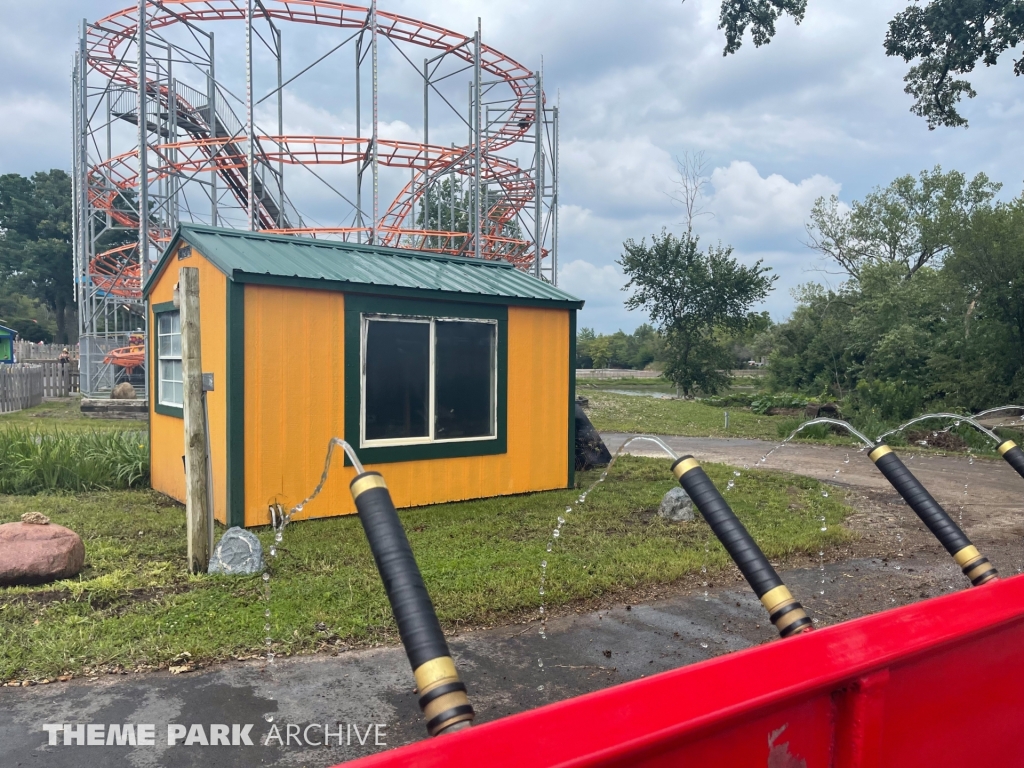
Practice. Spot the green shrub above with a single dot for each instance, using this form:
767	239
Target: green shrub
737	399
33	461
893	400
815	432
764	403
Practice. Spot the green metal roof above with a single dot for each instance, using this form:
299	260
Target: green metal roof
289	260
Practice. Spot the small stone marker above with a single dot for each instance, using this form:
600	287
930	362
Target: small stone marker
238	553
676	506
36	552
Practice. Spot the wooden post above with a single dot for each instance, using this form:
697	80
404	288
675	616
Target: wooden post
196	479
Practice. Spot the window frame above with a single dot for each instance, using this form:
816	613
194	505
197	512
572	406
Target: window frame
165	409
400	308
365	318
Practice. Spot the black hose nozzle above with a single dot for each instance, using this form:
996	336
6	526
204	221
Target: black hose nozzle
788	616
443	696
977	568
1014	456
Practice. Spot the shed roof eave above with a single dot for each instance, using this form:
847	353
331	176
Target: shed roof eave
347	286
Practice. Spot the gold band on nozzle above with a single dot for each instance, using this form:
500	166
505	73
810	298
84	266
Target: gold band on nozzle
879	452
438	677
967	555
775	598
684	465
784	610
366	481
975	566
1008	445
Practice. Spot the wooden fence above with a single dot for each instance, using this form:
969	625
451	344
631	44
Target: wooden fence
21	386
26	350
59	379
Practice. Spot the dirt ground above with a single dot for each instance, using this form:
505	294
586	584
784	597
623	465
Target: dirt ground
983	495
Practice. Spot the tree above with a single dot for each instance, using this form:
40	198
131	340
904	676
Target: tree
618	350
910	223
759	15
692	168
947	38
36	252
988	261
689	294
447	207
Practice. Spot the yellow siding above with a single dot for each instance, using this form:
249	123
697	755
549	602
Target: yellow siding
167	433
294	404
294	397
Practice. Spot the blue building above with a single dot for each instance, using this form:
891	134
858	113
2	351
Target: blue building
7	336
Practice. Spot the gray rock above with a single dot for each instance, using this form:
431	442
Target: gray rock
676	506
123	391
238	553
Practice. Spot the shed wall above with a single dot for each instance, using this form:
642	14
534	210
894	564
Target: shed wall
294	398
294	404
167	433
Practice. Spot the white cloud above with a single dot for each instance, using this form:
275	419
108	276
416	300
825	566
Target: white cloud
591	282
820	107
600	286
624	174
746	203
40	128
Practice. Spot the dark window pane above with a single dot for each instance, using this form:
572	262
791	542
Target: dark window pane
464	380
397	380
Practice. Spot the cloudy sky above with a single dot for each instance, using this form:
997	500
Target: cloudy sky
820	111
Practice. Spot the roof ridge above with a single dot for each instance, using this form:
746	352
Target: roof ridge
366	248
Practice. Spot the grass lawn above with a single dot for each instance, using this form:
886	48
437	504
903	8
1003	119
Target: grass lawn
134	607
612	412
64	414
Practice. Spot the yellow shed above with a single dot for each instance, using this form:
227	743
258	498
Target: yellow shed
453	377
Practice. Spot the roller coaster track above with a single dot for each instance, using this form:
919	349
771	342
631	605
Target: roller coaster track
215	138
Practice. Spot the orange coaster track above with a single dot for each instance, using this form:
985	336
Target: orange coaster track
117	271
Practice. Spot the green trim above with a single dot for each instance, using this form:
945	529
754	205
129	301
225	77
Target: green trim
164	410
235	398
356	305
160	264
172	247
427	294
572	398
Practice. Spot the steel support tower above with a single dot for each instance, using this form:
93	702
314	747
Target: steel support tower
162	126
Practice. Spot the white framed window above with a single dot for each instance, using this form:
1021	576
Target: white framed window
427	380
168	343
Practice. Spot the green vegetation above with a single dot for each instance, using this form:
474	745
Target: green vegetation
33	461
65	415
695	297
936	321
619	350
611	412
36	254
948	38
760	402
646	384
134	605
